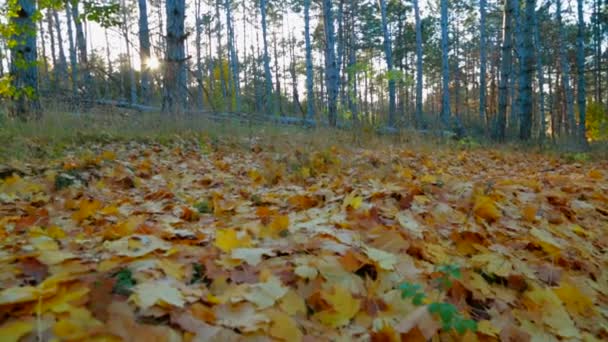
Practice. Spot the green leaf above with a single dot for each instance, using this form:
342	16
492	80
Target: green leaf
124	282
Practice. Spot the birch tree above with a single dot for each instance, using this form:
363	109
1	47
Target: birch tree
269	103
310	97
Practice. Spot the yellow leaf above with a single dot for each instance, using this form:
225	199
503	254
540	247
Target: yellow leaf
77	326
292	303
352	200
66	295
276	228
267	293
16	295
227	240
284	327
86	209
576	302
13	331
344	305
485	208
172	268
136	245
550	308
546	241
147	295
487	328
428	179
493	263
385	260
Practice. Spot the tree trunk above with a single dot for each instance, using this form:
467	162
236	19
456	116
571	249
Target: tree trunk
81	44
108	93
126	33
519	39
580	68
526	71
198	22
24	68
175	87
73	60
49	22
482	61
565	70
310	97
144	52
352	64
62	65
331	73
445	105
505	70
419	85
340	50
234	60
541	78
267	75
220	59
388	53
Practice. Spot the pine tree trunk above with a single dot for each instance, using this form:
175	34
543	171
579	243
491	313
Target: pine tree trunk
81	45
580	68
445	68
482	61
352	64
198	22
388	53
505	70
49	22
175	87
419	85
220	59
267	75
144	52
23	68
331	73
565	71
234	60
72	46
540	77
310	97
526	71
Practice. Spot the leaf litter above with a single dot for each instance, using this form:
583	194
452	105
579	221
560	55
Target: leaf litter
183	243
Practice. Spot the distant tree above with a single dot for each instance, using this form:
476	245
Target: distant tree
175	86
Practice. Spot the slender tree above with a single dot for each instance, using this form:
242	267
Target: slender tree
234	59
580	68
81	44
310	97
388	54
24	67
267	75
72	47
483	51
331	67
62	65
540	77
526	71
419	70
565	69
175	87
445	67
505	69
144	52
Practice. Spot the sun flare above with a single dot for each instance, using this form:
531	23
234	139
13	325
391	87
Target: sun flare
153	63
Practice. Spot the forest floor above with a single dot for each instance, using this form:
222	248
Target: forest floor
211	238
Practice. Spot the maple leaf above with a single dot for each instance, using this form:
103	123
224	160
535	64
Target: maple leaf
86	209
229	239
343	307
161	292
267	293
485	208
284	327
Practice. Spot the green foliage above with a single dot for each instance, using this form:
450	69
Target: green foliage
107	15
203	207
449	315
451	318
597	121
468	143
124	282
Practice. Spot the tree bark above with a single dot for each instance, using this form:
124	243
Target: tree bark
331	73
175	87
445	107
419	85
234	60
580	66
144	52
267	75
310	97
505	70
388	54
73	58
24	68
565	70
540	77
482	61
526	71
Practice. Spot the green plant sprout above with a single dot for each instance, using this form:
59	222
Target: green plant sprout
449	315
